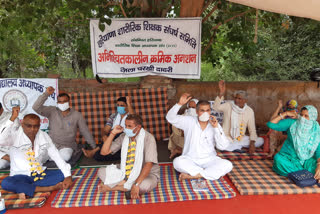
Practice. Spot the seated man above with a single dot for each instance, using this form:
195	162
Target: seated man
237	116
139	170
199	158
63	124
4	150
176	140
124	108
29	149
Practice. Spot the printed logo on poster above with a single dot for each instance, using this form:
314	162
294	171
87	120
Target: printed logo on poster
14	98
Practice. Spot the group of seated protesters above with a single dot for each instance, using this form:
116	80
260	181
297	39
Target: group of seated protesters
237	117
26	148
294	137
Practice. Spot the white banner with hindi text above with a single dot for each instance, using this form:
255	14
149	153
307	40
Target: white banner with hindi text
147	46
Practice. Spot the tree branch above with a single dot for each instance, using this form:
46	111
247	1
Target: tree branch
207	5
230	19
209	43
211	12
123	12
218	25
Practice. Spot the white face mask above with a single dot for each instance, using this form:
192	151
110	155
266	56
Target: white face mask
64	106
191	112
204	117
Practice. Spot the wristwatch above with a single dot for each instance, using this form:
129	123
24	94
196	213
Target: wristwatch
136	184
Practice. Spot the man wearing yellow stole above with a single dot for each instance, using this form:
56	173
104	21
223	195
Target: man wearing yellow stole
139	170
29	149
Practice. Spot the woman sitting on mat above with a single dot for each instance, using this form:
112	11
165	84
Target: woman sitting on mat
301	150
277	138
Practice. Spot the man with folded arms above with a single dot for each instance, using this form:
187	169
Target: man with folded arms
202	134
139	170
29	149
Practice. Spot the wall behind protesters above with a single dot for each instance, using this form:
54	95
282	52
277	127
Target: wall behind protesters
263	95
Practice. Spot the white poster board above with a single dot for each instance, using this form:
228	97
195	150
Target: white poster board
24	92
147	46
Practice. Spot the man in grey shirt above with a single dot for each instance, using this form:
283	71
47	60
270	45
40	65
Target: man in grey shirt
63	125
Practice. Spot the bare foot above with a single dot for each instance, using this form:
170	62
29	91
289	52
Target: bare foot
103	188
22	196
175	152
184	176
58	186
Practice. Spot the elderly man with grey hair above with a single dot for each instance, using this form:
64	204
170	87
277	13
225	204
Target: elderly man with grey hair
237	116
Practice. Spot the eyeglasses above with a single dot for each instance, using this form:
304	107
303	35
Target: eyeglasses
29	126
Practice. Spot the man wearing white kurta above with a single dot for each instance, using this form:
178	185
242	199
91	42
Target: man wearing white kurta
237	116
199	158
4	150
29	149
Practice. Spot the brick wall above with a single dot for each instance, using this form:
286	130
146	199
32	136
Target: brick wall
263	95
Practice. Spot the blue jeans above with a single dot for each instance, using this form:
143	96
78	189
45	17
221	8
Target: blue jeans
25	184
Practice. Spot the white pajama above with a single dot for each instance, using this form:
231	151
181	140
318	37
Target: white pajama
199	155
66	153
245	142
209	169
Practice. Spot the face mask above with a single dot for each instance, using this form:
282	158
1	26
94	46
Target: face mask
121	109
191	112
129	132
64	106
204	117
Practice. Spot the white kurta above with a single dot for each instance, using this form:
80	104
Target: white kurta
5	116
248	121
199	155
19	144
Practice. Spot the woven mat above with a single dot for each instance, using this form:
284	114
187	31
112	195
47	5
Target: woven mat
257	155
84	192
150	104
12	200
255	177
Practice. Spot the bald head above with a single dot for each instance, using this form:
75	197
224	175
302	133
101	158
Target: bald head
31	117
31	125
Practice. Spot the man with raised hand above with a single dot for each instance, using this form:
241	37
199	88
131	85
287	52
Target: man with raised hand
29	149
124	108
202	134
4	150
63	125
237	117
139	170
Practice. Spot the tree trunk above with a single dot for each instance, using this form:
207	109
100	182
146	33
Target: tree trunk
191	8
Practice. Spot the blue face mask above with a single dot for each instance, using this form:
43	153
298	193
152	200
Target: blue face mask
129	132
121	109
